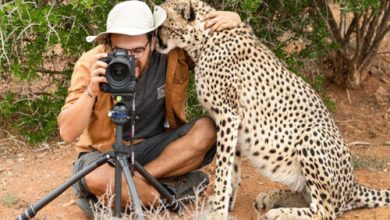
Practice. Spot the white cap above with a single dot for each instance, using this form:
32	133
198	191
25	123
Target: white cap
131	18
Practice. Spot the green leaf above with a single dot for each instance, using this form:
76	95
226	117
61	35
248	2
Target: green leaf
250	5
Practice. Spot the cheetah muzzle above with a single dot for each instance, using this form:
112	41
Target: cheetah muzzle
271	116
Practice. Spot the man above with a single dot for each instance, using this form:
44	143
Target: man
160	98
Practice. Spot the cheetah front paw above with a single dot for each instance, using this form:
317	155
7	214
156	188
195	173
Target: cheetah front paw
264	201
275	214
285	214
218	215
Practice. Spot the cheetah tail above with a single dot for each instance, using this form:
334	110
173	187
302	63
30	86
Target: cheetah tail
365	197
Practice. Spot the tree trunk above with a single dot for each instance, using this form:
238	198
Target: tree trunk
353	78
348	73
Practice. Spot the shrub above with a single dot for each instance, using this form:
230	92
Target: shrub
42	40
39	43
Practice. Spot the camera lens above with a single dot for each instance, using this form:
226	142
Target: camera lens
119	72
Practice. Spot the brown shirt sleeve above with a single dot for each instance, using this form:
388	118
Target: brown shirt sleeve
79	82
100	132
81	76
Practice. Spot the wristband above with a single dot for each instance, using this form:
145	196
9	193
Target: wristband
89	94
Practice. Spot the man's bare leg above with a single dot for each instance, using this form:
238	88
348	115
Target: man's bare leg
178	158
186	153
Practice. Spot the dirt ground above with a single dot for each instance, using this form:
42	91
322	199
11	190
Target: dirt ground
27	174
363	116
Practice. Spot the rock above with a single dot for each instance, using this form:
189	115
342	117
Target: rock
41	155
384	80
381	96
382	91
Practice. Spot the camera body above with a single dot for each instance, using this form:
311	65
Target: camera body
120	73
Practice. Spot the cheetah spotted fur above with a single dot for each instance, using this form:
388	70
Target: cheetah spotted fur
271	116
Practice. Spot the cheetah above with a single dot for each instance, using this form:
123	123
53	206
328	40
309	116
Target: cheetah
269	115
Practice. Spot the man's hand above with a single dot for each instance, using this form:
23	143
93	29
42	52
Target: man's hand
98	72
220	20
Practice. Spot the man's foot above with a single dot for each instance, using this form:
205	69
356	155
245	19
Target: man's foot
188	186
86	204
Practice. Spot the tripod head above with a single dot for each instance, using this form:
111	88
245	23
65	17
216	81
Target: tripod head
120	113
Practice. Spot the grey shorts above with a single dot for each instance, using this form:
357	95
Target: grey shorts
144	152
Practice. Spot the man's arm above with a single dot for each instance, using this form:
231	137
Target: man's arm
73	120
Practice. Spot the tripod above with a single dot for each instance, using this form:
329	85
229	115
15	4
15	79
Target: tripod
120	154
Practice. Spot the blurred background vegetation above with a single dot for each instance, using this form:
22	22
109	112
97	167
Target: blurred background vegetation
40	40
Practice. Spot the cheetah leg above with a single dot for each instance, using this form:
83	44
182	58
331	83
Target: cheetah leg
319	179
236	178
280	198
320	206
227	130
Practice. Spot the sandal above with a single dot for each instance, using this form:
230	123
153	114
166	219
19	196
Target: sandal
186	187
86	205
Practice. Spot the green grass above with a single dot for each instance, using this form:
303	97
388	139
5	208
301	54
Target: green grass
9	199
370	163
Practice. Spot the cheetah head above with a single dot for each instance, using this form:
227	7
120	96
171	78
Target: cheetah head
184	26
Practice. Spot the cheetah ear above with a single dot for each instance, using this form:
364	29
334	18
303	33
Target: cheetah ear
186	10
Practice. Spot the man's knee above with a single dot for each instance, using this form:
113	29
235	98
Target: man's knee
99	180
203	134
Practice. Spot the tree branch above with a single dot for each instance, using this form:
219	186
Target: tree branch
358	39
385	19
374	48
369	35
46	71
352	27
380	32
334	29
342	23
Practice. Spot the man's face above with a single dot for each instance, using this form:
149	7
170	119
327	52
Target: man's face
134	44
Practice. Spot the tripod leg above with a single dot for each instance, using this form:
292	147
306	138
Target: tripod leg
174	205
131	187
118	189
33	209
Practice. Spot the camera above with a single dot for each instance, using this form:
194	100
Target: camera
120	73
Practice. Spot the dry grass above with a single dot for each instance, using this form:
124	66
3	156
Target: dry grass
194	208
371	163
11	144
9	199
